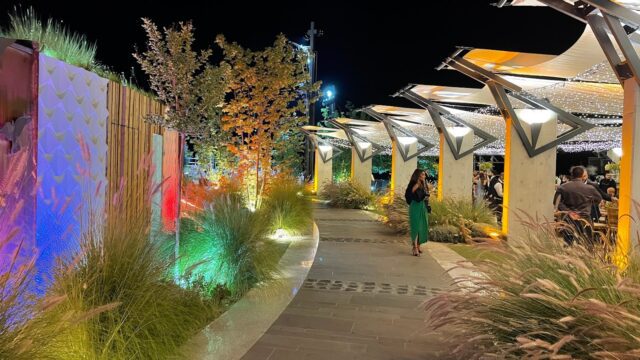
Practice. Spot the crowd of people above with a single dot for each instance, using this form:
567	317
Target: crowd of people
579	202
489	187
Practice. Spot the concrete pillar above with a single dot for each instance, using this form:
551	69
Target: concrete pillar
323	173
361	170
455	177
529	182
402	170
629	165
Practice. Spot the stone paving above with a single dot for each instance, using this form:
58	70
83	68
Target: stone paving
362	298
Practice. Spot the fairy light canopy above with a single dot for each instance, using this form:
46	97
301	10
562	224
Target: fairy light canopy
579	81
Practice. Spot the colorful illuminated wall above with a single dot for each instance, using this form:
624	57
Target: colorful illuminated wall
57	160
170	175
71	157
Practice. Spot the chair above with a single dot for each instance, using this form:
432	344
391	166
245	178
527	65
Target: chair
612	224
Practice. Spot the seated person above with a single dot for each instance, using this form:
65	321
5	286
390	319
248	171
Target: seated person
614	201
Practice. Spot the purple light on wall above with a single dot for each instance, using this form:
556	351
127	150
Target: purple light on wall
72	108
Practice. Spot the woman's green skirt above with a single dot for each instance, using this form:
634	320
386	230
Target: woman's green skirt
418	222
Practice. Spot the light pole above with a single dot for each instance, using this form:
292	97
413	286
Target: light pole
311	35
328	100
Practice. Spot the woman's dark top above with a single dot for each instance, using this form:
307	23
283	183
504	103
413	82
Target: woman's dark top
419	195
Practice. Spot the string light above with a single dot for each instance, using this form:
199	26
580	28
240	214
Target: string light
594	95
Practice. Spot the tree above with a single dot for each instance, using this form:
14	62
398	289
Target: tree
191	89
265	104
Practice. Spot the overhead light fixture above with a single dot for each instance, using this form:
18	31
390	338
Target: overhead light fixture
450	94
535	116
617	151
459	131
407	140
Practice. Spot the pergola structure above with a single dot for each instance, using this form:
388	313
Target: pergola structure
615	38
529	106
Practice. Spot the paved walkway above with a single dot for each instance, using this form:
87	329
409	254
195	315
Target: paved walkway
361	299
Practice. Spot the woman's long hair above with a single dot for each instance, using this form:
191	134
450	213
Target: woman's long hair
415	176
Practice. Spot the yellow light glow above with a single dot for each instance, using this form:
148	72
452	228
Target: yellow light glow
507	174
316	184
625	203
440	167
394	154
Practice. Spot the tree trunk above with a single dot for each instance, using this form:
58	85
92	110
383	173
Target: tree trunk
255	206
181	144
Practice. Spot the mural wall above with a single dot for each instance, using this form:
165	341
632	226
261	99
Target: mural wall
170	175
72	154
70	141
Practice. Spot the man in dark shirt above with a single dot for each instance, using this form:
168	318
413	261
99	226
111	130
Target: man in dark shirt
595	208
575	199
607	182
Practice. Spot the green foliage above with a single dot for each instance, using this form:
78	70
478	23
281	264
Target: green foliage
460	212
266	101
287	154
287	208
341	166
381	164
485	166
347	195
227	245
54	39
118	278
542	300
192	90
429	165
396	213
445	233
449	219
612	167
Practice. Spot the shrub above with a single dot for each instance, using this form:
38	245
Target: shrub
119	280
227	245
454	211
451	219
445	233
479	230
53	38
396	213
542	300
287	208
347	195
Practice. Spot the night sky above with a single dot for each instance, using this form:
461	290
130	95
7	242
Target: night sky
367	52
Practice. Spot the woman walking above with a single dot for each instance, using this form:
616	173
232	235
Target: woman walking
417	195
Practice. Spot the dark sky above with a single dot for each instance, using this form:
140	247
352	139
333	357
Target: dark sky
367	51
